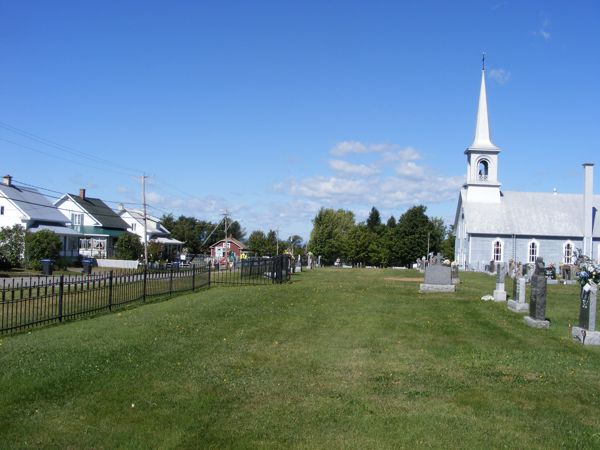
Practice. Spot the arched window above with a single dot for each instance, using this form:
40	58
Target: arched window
533	251
568	253
497	250
483	170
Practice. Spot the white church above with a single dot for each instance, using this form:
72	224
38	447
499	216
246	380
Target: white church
494	225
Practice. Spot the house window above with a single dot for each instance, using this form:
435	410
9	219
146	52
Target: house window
568	253
1	210
497	250
133	226
76	219
533	251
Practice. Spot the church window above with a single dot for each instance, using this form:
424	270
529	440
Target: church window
533	251
482	170
497	250
568	253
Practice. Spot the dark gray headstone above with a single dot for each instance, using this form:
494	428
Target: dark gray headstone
537	300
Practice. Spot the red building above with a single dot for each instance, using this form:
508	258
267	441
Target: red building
221	248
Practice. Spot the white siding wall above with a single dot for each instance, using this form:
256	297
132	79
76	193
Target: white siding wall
68	207
12	215
551	249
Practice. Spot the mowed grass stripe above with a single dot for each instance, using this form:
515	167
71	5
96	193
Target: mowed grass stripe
336	359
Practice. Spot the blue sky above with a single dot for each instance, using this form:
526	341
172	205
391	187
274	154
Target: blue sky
272	110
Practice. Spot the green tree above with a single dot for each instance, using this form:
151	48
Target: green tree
128	246
12	245
374	220
257	243
391	223
44	244
155	251
448	243
410	240
329	237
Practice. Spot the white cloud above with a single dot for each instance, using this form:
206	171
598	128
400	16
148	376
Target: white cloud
410	169
543	30
405	154
347	147
358	169
322	187
500	76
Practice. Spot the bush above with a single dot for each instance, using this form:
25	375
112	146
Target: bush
128	246
44	244
12	245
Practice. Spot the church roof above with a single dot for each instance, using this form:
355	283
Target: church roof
530	214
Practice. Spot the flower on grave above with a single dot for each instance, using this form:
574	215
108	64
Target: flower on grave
588	271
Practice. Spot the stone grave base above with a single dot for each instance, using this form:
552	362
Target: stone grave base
517	307
455	280
534	323
585	337
499	296
425	288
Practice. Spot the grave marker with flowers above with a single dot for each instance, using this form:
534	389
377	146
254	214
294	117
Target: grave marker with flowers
589	277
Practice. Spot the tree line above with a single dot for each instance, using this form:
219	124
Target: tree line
336	234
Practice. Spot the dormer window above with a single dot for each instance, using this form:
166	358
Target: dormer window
483	170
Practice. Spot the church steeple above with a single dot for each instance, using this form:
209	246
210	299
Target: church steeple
482	138
482	156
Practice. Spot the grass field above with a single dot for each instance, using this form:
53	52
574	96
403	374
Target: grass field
335	359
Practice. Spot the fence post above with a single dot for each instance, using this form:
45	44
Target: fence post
144	284
171	281
209	266
110	290
60	298
193	278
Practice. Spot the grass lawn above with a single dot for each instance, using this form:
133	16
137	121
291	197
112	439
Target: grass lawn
335	359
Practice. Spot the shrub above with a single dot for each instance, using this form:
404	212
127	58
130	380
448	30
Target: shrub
44	244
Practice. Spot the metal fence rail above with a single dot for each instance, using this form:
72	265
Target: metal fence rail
35	301
253	271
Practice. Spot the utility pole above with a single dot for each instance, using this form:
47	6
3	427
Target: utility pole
277	241
225	217
145	220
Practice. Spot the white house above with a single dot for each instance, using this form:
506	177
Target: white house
155	231
98	224
491	224
25	206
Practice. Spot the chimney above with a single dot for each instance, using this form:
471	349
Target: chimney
7	180
588	194
82	193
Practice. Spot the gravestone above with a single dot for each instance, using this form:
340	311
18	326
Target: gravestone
537	299
499	292
454	274
517	303
438	278
586	332
298	267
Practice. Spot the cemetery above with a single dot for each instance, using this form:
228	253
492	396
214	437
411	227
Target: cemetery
335	358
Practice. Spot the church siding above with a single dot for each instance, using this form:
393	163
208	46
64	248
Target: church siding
517	248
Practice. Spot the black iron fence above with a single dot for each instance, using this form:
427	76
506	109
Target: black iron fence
29	302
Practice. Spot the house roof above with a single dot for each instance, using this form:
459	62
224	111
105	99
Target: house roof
530	214
32	204
139	216
60	230
235	241
100	211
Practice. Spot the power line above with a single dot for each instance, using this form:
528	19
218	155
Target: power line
62	147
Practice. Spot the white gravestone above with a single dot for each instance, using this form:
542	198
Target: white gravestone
499	292
518	304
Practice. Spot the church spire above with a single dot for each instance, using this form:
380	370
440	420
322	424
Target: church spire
482	138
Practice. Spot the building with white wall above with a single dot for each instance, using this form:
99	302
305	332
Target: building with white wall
493	225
